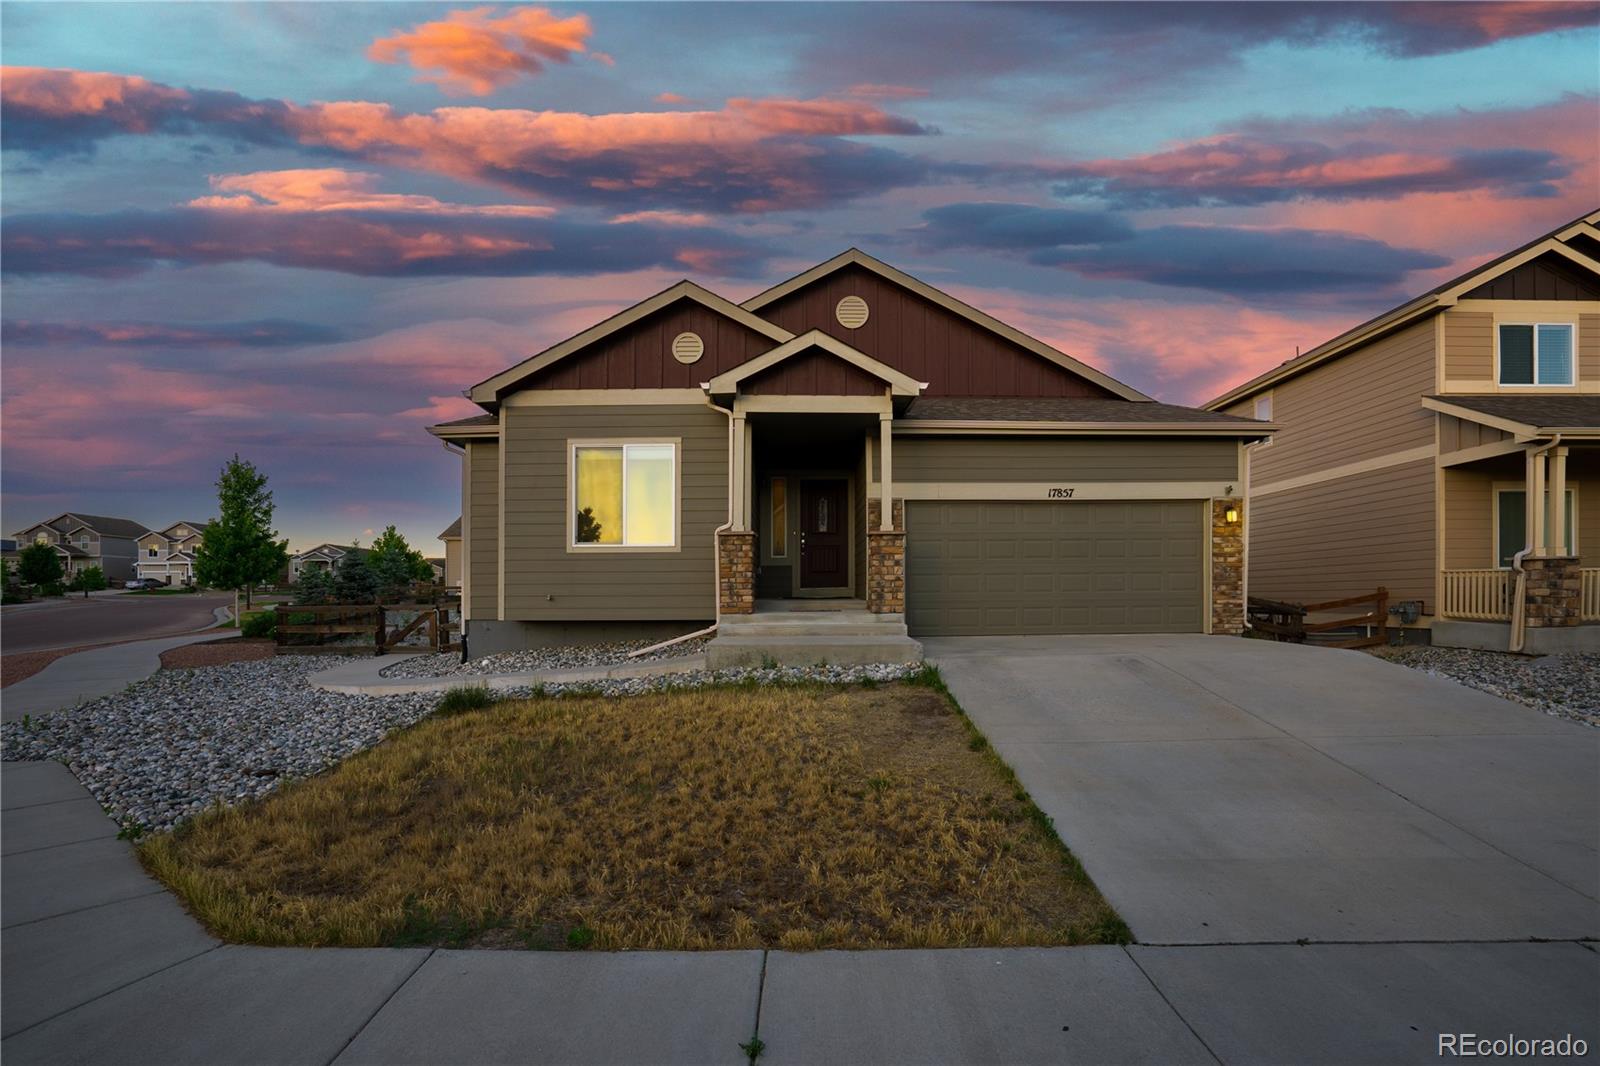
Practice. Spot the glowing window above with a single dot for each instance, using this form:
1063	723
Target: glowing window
624	495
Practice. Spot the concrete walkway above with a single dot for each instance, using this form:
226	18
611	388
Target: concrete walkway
1242	791
365	676
88	675
100	965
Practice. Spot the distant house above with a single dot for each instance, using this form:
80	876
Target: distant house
322	557
168	554
452	554
1448	450
438	568
85	540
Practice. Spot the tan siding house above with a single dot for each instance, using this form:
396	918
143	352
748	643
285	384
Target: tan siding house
850	442
84	541
1422	451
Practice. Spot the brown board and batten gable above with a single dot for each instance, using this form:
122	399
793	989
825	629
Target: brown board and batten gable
813	373
929	335
1549	277
639	356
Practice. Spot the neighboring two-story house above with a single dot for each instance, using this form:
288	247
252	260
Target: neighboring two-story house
852	434
1449	450
168	554
85	540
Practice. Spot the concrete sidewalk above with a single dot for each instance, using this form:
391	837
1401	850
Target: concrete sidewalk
101	965
88	675
365	676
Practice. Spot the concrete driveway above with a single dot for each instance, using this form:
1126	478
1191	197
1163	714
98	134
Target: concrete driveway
1233	791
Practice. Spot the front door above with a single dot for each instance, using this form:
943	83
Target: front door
824	535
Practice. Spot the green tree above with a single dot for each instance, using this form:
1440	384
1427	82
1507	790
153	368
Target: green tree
395	564
315	586
353	581
240	548
39	565
89	579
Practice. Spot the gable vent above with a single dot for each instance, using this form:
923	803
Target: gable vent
688	347
851	312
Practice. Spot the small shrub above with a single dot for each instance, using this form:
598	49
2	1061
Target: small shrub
465	698
262	624
580	938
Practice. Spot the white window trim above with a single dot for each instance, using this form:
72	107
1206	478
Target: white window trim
572	495
1495	489
1556	320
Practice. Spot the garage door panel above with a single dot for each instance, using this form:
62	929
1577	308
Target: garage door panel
1042	567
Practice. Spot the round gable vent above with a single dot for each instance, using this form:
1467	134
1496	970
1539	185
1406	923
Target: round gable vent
851	312
688	347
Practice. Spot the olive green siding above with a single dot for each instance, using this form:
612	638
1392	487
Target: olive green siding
1003	459
481	529
545	581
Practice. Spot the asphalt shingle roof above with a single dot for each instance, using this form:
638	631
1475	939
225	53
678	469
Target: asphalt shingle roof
1542	410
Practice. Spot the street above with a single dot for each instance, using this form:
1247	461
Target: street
105	618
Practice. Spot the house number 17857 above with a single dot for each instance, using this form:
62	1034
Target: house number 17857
1058	494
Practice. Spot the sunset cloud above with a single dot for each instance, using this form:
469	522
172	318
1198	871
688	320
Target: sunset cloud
754	154
479	50
1378	154
333	189
371	243
267	333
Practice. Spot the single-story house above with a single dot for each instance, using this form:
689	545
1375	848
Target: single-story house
84	541
852	434
322	557
1449	451
168	554
452	554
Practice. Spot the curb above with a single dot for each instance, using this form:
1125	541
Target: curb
351	680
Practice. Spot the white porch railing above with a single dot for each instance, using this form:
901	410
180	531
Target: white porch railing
1589	611
1477	595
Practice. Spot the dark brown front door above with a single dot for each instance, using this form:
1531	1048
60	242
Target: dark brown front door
824	535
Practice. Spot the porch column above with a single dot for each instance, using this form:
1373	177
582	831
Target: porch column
741	518
1558	504
749	476
885	475
1533	486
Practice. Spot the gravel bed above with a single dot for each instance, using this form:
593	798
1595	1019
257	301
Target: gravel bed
562	657
168	747
1567	686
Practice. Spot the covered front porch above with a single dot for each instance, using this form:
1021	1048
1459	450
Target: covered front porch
1519	533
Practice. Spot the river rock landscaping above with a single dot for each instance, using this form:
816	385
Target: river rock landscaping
561	657
1567	686
180	741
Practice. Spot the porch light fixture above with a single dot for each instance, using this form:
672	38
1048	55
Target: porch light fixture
1231	515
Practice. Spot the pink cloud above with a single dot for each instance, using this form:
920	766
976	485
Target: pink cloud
479	50
872	91
334	189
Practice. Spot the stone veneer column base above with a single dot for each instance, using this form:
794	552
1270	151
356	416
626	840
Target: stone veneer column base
1554	592
1227	568
886	559
736	572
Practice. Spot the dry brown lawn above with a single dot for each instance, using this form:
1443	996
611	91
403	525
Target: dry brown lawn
800	817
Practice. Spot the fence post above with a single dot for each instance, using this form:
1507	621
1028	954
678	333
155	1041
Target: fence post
280	619
377	648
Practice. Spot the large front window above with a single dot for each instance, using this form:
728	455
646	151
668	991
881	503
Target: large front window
1537	353
624	495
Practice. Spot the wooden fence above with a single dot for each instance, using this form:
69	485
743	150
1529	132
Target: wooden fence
1287	621
306	629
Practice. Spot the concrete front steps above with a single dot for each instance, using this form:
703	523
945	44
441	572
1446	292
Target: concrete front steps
846	635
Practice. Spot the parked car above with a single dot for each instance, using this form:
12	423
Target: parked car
139	583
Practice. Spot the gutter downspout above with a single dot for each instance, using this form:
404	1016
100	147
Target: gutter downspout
716	580
1519	598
